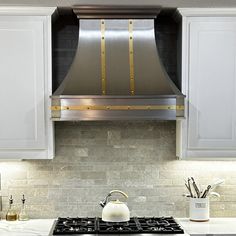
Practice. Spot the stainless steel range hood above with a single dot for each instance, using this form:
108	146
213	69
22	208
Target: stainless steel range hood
117	73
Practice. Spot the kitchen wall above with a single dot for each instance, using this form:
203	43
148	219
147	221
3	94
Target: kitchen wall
93	158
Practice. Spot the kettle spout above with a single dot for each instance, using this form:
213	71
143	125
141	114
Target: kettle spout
104	201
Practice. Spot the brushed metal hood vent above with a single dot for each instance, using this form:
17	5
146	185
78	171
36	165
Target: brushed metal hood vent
117	73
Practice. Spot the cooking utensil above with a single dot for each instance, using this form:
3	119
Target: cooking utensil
211	187
190	189
193	188
196	187
216	183
215	194
205	193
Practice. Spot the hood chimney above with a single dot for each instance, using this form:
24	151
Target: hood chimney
117	73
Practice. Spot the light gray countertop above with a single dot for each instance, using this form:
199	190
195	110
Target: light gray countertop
215	226
39	227
42	227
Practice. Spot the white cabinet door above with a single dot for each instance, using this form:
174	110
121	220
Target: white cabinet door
209	130
22	120
212	85
25	87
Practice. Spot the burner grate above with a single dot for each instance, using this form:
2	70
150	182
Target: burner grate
118	228
136	225
75	226
165	225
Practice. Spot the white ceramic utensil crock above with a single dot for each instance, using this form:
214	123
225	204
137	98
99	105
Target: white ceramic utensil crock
199	209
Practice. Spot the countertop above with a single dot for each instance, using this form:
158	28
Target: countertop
39	227
42	227
215	226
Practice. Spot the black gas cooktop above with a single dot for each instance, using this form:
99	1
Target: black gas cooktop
136	225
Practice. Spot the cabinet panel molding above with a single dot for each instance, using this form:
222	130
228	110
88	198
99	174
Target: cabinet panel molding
26	79
209	82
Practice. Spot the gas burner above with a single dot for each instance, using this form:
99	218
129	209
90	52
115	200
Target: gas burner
75	223
159	222
140	225
117	223
155	229
75	226
119	228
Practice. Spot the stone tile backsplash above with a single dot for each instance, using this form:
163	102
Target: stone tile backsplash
93	158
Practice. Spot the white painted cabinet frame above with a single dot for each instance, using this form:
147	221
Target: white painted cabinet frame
26	131
209	83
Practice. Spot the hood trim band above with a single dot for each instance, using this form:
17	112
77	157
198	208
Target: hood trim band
118	107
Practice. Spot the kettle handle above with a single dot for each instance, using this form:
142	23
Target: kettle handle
104	202
118	191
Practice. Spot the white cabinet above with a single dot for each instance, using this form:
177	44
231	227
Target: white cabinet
26	131
209	82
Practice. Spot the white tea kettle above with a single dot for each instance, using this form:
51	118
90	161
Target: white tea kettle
115	211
